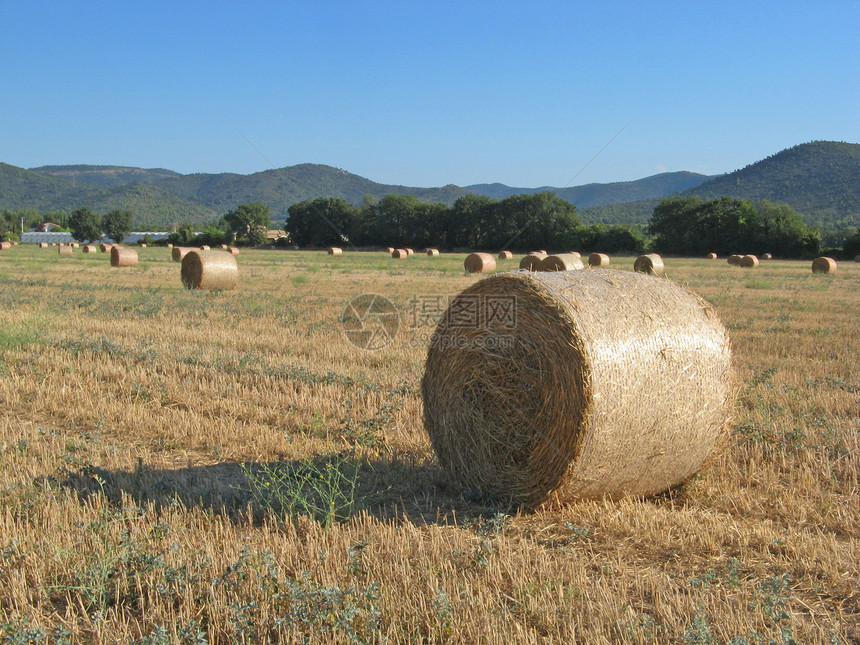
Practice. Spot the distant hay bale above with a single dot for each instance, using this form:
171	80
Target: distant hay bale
598	260
43	245
506	255
233	251
409	251
767	256
142	245
748	262
104	247
540	252
390	249
179	252
205	247
650	263
74	245
332	250
532	261
120	257
209	270
169	246
479	263
711	256
561	262
64	249
734	260
90	248
5	246
224	247
857	259
598	384
399	254
824	265
433	253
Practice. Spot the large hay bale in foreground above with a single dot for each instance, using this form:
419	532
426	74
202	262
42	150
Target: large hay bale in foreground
748	262
600	260
506	255
651	263
532	261
179	252
582	384
399	254
824	265
734	259
65	249
479	263
210	270
120	257
561	262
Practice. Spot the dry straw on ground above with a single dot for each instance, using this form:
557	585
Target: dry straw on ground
598	260
506	255
120	257
210	270
179	252
332	250
479	263
65	249
711	256
748	262
399	254
433	252
602	384
651	263
561	262
824	265
532	261
734	259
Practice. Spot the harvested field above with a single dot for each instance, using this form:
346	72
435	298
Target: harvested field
159	449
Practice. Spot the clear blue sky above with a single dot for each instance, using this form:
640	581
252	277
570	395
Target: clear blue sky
426	93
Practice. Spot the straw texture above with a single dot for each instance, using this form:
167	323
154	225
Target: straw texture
651	263
824	265
532	261
506	255
120	257
748	262
598	260
561	262
179	252
605	383
210	270
479	263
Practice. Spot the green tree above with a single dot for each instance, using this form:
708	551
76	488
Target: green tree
86	225
322	222
117	224
249	222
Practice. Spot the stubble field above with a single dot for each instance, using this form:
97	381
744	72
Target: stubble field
220	467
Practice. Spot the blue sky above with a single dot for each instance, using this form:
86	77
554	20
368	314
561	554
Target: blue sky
427	94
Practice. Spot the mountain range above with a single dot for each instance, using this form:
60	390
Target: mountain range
821	179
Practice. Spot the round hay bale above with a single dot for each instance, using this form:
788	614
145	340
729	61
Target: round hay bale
90	248
179	252
824	265
748	262
506	255
540	252
561	262
43	245
233	251
479	263
531	262
169	246
767	256
142	245
598	384
64	249
224	247
711	256
205	247
409	251
333	250
651	263
399	254
5	246
433	252
120	257
74	245
734	260
209	270
598	260
390	249
104	247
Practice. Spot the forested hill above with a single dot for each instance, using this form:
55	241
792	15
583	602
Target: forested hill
820	180
602	194
106	176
